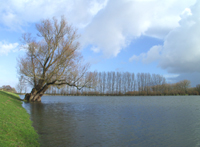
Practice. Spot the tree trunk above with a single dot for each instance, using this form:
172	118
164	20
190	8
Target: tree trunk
35	95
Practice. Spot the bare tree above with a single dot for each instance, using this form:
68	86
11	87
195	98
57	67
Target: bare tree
52	59
103	82
21	86
117	82
100	82
109	83
113	81
139	82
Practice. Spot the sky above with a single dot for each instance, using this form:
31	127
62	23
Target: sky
149	36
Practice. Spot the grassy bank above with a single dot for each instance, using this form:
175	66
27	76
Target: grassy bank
15	126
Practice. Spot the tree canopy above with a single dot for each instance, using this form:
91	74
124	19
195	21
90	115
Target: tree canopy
52	58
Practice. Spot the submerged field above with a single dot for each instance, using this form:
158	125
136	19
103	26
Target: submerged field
15	126
143	121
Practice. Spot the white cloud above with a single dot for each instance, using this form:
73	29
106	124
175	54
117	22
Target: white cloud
181	50
5	47
152	55
96	6
15	14
171	75
172	78
113	28
136	58
187	12
95	49
110	25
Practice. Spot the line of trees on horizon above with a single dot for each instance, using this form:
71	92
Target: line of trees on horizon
130	84
8	88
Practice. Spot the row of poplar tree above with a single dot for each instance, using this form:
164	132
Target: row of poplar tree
126	83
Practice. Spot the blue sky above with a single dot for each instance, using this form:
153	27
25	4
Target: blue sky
150	36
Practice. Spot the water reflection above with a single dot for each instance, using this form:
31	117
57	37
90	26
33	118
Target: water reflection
116	121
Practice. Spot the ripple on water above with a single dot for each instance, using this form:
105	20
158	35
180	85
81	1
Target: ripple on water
117	121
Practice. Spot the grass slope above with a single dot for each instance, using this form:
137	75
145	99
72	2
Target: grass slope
15	126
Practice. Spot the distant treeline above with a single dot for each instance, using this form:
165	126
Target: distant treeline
130	84
8	88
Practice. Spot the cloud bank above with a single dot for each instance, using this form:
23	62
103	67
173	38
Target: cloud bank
115	26
6	48
108	26
16	14
180	52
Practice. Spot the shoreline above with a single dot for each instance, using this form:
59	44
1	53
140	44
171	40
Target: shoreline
115	95
15	125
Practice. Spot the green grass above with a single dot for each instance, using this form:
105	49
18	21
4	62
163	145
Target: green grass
15	126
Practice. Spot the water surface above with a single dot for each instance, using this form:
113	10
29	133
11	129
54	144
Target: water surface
117	121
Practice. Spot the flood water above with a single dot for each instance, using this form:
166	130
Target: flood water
70	121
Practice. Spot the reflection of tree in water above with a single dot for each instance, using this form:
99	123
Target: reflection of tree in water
75	124
52	124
